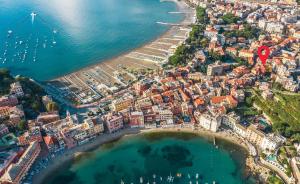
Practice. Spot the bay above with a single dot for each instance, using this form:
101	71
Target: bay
156	155
62	36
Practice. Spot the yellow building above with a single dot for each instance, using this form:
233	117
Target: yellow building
122	104
254	135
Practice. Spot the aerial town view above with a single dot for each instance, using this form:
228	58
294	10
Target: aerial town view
150	92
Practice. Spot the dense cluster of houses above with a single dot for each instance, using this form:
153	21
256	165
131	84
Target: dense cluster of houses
280	32
10	106
178	97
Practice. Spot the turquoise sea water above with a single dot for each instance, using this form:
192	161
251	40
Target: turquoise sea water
131	158
66	35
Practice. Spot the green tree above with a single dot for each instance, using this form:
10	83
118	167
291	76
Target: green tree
22	125
5	80
36	106
204	43
229	18
201	15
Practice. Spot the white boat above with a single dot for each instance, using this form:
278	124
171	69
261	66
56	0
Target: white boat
141	180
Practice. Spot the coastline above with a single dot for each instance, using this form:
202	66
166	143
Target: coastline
110	66
106	138
148	56
181	5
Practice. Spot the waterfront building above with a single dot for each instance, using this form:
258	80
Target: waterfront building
149	117
271	142
208	121
240	129
16	89
114	122
231	120
136	119
94	126
16	171
162	114
254	135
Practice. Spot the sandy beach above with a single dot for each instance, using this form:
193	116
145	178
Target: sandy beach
149	56
106	138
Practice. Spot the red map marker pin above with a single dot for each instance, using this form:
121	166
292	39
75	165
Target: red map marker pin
263	53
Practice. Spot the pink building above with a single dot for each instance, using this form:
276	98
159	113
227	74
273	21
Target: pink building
114	122
47	117
8	101
136	119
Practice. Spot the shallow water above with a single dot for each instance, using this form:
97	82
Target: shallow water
67	35
134	157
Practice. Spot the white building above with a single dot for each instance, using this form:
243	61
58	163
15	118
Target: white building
162	114
215	69
275	27
232	120
272	142
16	171
208	121
16	89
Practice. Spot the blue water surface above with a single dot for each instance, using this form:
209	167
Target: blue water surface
62	36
